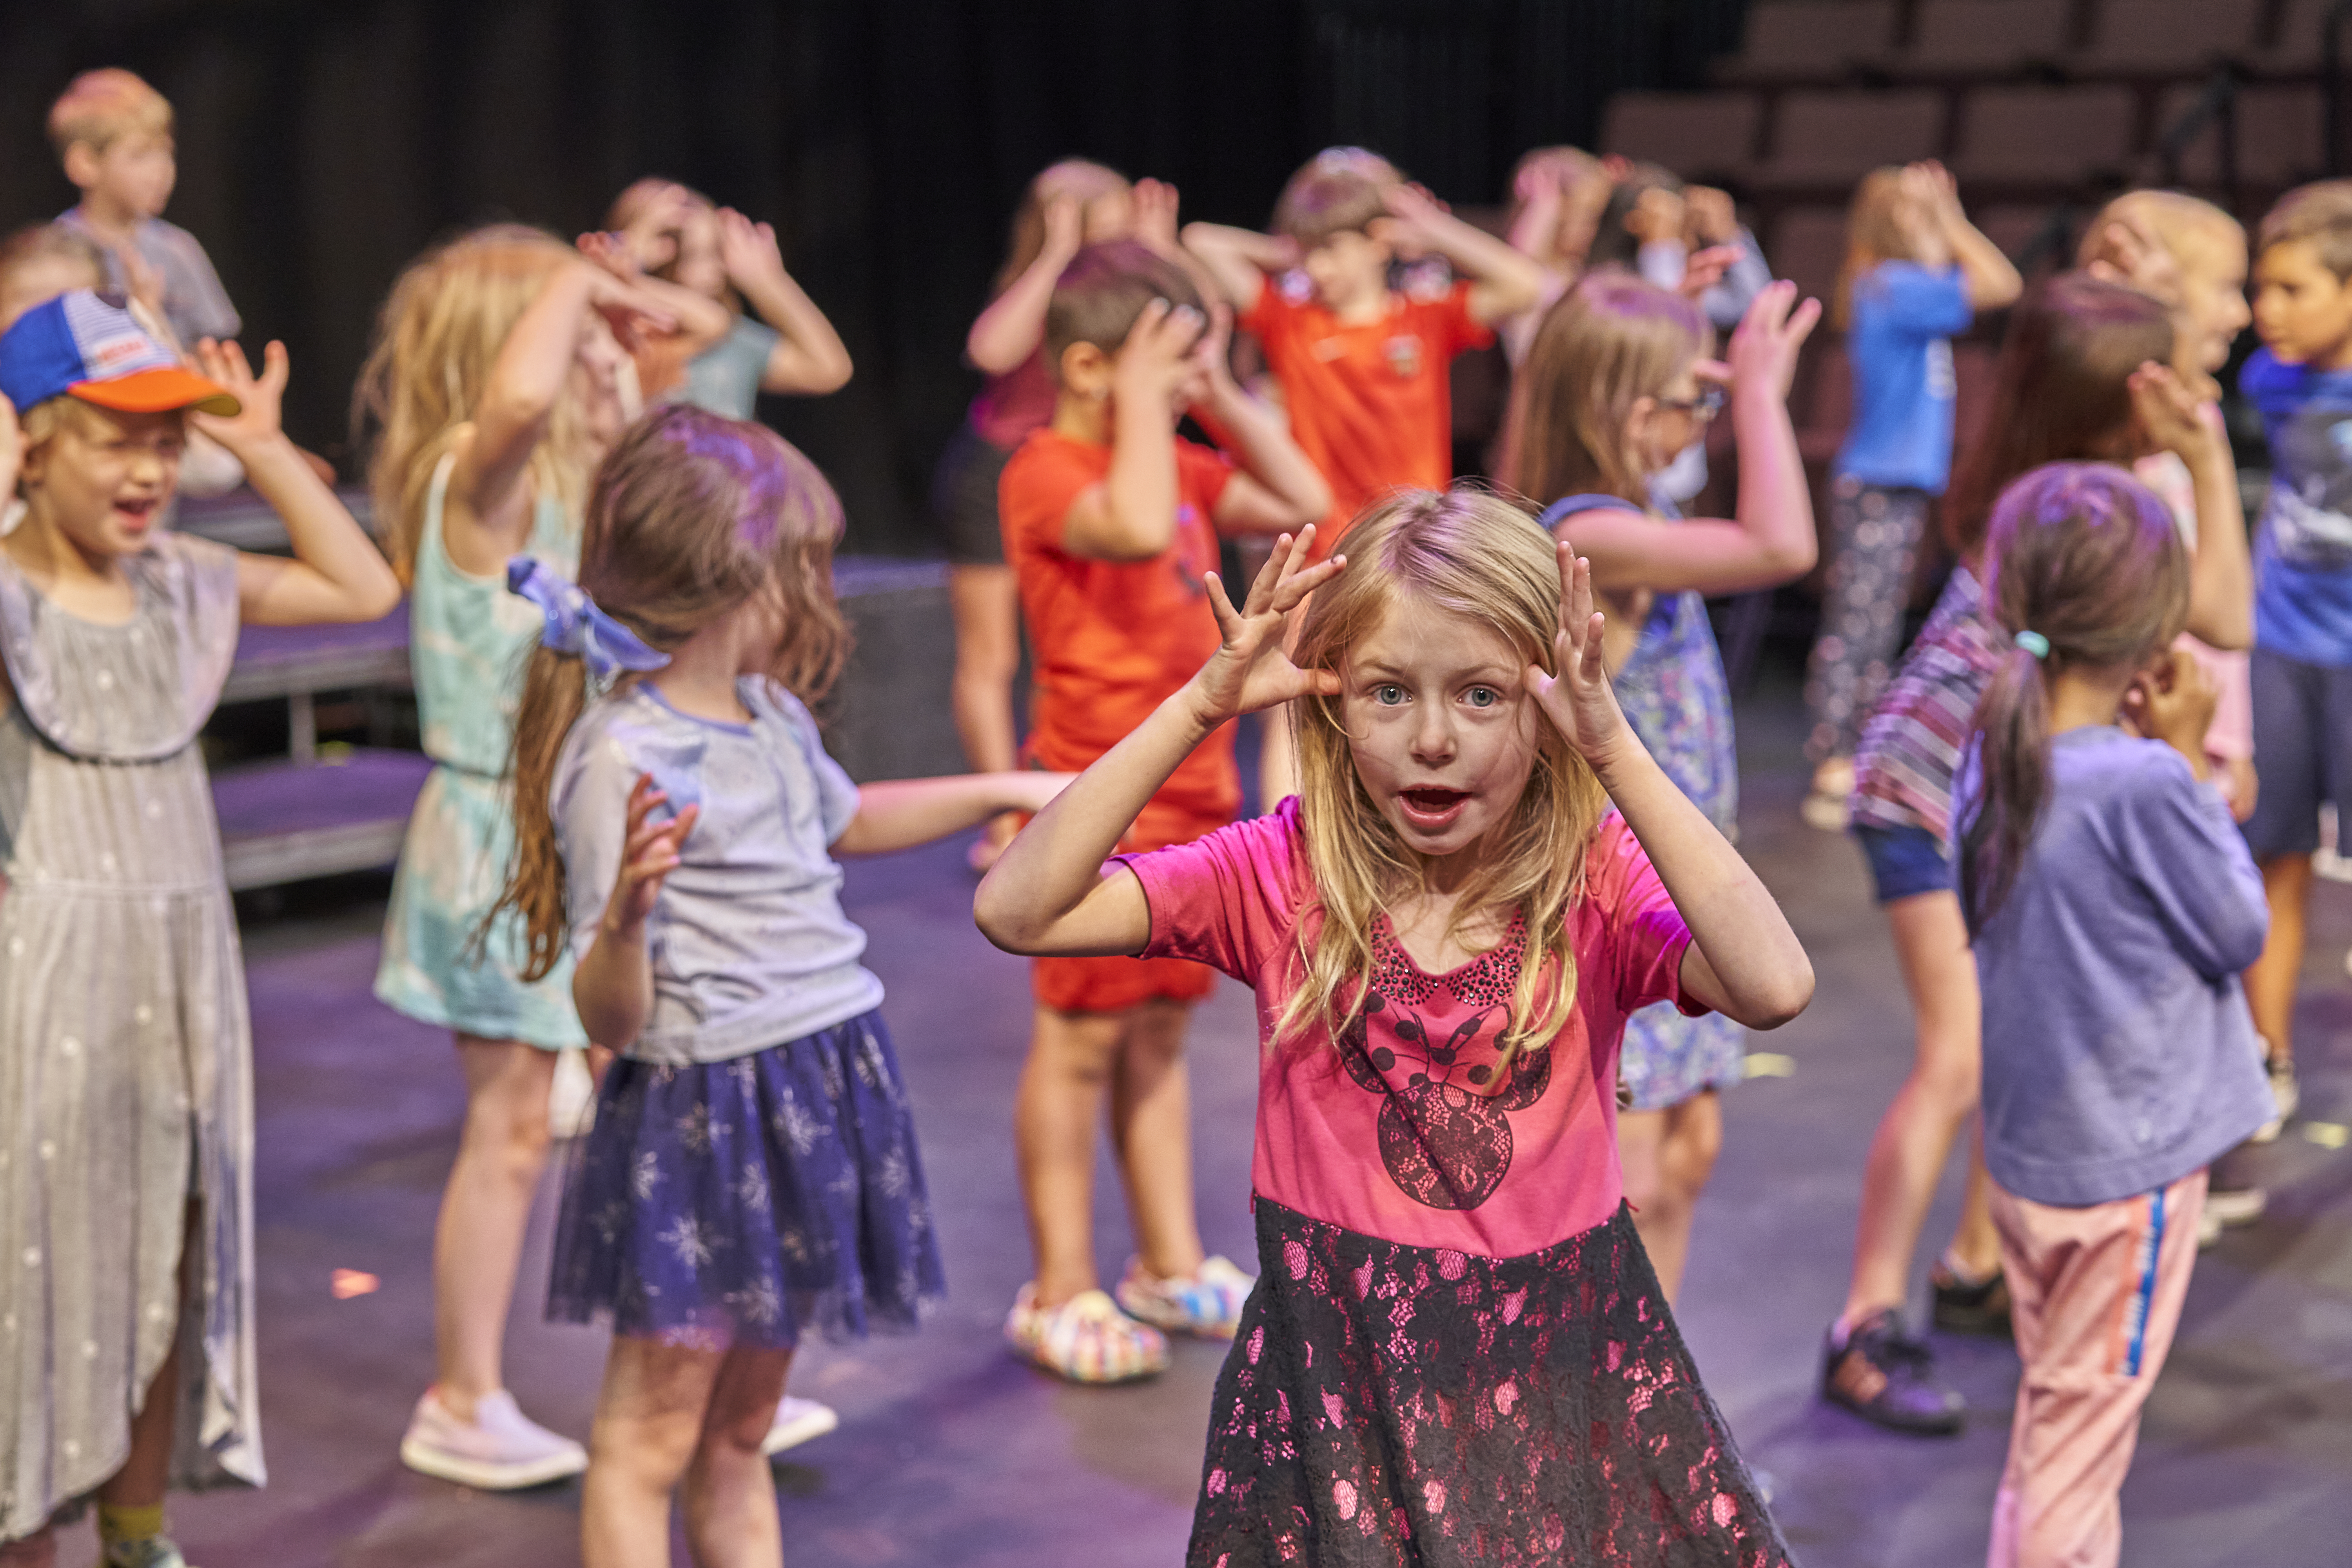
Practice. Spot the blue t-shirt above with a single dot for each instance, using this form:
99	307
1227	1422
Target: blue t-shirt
1898	341
2118	1053
2303	557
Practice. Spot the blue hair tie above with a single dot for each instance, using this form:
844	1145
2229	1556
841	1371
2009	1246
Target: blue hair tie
575	625
2033	643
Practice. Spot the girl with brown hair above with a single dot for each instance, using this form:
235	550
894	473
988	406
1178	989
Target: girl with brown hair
753	1172
2083	375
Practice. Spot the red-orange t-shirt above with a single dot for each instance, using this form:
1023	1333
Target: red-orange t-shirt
1114	639
1371	405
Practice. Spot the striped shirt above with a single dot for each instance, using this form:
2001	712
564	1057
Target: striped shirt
1912	745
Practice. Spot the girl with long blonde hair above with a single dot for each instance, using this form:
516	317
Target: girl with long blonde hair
499	376
1447	929
1617	385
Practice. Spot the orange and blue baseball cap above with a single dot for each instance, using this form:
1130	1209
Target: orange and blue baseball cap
86	345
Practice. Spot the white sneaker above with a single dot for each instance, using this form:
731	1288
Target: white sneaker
797	1421
571	1104
2236	1205
2286	1094
500	1450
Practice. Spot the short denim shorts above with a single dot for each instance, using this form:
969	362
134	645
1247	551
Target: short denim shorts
1905	861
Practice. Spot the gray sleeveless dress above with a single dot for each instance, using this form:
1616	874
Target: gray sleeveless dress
126	1091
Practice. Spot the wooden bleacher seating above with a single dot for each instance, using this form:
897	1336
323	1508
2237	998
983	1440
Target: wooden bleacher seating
1823	141
1700	135
1810	40
1957	39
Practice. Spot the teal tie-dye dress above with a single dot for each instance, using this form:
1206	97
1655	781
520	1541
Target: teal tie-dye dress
468	639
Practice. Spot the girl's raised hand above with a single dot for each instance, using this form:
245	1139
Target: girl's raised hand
627	309
257	417
748	250
649	853
1251	670
1764	347
1578	698
2171	416
1155	216
2173	701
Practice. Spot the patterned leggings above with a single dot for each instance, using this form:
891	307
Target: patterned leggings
1874	541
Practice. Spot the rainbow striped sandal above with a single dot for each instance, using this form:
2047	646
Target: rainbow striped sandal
1209	1304
1086	1338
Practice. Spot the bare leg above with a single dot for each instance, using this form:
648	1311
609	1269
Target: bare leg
477	1247
649	1423
145	1471
2270	983
985	602
1060	1104
1668	1155
1915	1137
1151	1128
731	1496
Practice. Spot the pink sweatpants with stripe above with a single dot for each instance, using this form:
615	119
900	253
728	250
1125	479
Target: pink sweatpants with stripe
2095	1296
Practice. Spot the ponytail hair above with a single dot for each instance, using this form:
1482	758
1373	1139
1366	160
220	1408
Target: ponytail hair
692	517
2086	571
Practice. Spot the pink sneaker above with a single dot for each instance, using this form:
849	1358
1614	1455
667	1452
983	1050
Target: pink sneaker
500	1450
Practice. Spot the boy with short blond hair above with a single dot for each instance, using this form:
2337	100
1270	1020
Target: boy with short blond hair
113	133
2301	381
1363	367
1111	525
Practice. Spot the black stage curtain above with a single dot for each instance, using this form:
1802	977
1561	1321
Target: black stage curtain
323	145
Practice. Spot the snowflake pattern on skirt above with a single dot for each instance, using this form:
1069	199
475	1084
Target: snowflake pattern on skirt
743	1201
1386	1404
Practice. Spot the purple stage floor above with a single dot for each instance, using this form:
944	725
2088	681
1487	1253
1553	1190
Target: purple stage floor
950	1456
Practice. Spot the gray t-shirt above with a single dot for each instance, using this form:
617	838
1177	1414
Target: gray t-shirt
725	377
750	948
195	306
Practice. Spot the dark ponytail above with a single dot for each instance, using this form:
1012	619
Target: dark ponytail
554	694
2085	571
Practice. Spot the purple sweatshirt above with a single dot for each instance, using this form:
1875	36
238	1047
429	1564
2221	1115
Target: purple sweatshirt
2118	1053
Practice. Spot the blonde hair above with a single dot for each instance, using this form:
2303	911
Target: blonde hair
1873	234
101	107
1079	177
692	517
1338	189
2188	228
1469	553
1609	341
45	421
436	340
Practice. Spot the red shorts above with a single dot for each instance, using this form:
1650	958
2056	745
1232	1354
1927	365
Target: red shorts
1115	984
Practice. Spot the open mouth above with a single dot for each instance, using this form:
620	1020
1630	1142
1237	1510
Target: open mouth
137	514
1432	807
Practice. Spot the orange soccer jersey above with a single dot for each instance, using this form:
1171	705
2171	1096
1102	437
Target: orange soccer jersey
1112	640
1371	405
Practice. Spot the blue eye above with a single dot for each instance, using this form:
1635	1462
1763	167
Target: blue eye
1388	695
1483	696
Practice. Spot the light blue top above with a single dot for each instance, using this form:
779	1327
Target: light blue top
2118	1053
1898	336
750	948
468	636
2303	557
725	377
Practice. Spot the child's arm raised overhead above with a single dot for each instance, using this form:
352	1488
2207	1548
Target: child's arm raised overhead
1240	259
2220	570
613	988
1131	515
1277	488
1772	539
1049	893
811	360
698	321
900	813
1504	283
1992	280
1743	959
485	519
337	573
1010	330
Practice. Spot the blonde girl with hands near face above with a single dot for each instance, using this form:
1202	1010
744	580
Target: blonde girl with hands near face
753	1172
127	1352
499	377
1614	387
1447	929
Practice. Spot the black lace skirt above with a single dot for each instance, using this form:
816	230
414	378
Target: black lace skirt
1388	1405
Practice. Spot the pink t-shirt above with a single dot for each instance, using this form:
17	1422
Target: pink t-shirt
2231	735
1406	1130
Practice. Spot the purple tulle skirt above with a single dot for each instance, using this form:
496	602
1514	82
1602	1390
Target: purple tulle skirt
740	1202
1390	1405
